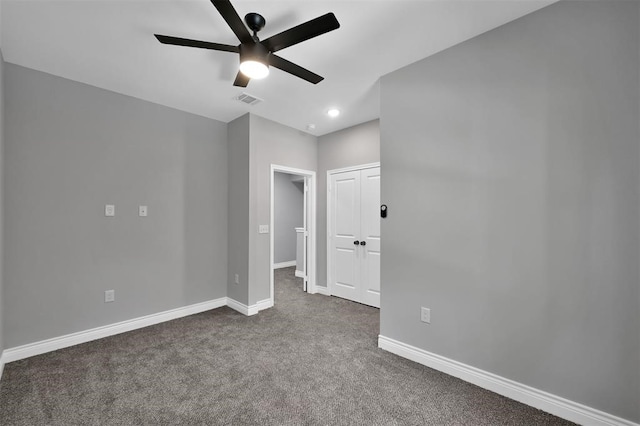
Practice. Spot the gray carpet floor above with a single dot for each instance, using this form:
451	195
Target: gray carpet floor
310	360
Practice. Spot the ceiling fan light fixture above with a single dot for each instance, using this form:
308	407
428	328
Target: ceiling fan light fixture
254	69
253	60
257	56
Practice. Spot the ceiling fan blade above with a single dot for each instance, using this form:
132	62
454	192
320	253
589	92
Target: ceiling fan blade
291	68
177	41
241	80
233	20
302	32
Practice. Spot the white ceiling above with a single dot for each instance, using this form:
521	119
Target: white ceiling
110	44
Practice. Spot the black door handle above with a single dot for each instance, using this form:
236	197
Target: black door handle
363	243
356	242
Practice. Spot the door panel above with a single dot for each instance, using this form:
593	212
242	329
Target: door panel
347	207
371	279
346	227
346	269
370	233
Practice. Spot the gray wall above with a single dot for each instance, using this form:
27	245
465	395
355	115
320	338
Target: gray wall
69	150
288	211
238	245
512	174
271	143
1	201
349	147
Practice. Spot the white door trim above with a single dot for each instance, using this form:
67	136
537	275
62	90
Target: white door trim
352	168
311	207
329	290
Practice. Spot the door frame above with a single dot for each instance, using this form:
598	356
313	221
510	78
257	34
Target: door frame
310	177
329	290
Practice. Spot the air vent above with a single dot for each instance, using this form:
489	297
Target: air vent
248	99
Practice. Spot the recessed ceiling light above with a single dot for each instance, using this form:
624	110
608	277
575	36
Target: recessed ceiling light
311	126
333	112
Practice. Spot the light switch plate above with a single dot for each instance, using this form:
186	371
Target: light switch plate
142	211
109	210
263	229
109	296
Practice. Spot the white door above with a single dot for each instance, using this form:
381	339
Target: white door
355	235
370	235
345	202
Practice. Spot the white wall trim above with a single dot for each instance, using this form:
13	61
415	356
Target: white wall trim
49	345
238	306
249	310
353	168
53	344
262	305
287	264
542	400
323	290
1	364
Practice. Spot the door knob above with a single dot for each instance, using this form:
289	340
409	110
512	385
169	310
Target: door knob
363	243
356	242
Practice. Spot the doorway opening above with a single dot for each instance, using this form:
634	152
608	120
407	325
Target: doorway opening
293	224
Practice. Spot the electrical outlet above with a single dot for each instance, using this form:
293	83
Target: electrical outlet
237	278
425	315
109	296
263	229
109	210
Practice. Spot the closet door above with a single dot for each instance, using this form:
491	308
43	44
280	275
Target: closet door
370	236
355	235
345	220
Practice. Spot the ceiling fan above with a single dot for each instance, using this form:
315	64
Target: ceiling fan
256	56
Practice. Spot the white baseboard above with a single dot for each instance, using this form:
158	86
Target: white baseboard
238	306
299	274
287	264
44	346
1	364
249	310
545	401
53	344
263	304
323	290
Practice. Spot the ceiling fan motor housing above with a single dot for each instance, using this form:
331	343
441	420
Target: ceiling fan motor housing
254	52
